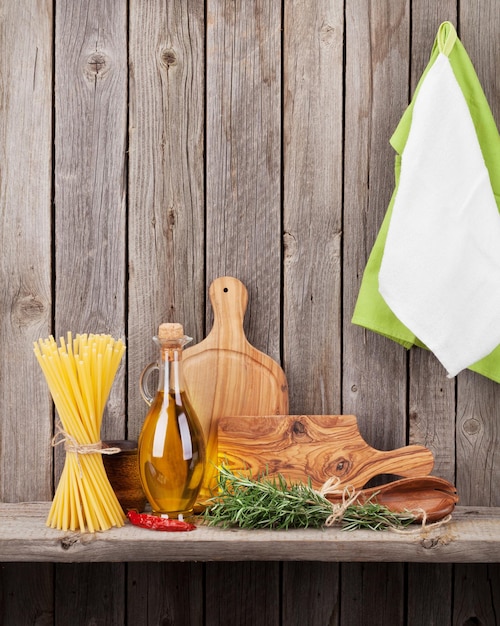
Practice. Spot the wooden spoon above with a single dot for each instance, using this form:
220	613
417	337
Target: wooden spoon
426	495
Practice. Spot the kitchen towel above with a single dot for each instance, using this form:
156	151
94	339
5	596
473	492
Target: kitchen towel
433	277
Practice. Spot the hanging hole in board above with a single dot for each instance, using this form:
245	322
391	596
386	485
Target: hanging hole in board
226	289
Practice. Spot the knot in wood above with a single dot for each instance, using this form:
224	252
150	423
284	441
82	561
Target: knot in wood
69	541
472	426
340	467
27	309
298	428
168	57
96	63
428	543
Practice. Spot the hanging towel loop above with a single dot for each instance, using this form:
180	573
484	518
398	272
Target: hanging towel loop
446	37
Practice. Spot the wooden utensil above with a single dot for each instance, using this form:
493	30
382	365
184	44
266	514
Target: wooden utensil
426	495
226	375
315	447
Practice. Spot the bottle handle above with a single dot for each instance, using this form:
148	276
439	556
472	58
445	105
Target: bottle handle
147	396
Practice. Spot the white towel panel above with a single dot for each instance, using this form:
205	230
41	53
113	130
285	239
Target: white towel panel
440	271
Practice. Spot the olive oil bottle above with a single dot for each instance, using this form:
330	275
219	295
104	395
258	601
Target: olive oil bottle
171	443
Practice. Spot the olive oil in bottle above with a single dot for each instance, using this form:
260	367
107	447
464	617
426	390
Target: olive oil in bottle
171	443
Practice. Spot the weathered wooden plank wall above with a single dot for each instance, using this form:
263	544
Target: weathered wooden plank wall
147	148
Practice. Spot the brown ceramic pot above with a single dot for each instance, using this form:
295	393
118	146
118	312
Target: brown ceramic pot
122	469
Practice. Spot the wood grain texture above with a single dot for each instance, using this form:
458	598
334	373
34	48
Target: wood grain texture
243	152
26	72
166	232
431	410
477	600
25	240
298	101
472	536
430	590
226	375
313	99
90	224
317	586
90	183
90	593
315	447
165	593
166	186
312	203
374	369
27	594
476	595
243	217
258	590
478	398
372	595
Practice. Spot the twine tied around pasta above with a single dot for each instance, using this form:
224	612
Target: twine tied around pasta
71	444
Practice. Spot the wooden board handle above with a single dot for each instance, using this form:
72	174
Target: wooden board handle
229	298
409	461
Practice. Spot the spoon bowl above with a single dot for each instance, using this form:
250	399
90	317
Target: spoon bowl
426	497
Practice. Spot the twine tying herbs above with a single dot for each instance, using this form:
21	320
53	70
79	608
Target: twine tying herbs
349	497
348	494
273	503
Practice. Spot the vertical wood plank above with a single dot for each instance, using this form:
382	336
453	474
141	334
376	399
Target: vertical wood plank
243	228
373	595
478	398
242	594
376	71
165	593
90	593
25	238
313	38
26	594
311	594
374	368
243	158
430	592
25	286
166	240
90	187
431	393
477	592
90	176
166	203
312	152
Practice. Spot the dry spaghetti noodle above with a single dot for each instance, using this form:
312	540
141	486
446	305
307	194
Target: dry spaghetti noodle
80	373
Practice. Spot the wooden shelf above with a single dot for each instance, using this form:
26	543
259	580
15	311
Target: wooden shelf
472	536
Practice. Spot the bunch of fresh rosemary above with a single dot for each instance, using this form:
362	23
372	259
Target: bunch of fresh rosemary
273	503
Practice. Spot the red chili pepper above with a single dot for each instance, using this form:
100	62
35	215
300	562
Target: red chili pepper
154	522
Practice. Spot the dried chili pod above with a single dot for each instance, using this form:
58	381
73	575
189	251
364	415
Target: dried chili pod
154	522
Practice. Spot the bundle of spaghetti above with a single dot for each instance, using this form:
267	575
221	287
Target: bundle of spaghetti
80	373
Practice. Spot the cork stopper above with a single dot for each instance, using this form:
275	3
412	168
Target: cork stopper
170	331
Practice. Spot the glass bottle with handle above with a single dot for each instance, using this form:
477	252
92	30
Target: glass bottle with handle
171	443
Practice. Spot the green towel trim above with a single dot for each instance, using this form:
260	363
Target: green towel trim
371	310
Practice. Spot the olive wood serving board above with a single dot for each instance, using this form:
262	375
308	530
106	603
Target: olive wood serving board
315	447
225	374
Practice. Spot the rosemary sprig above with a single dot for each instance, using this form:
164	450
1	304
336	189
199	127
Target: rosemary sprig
373	516
264	502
